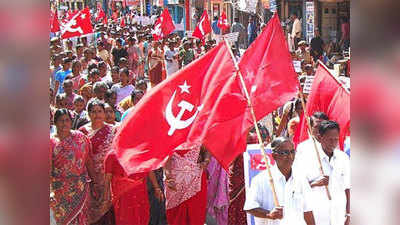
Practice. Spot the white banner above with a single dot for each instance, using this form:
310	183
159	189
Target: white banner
297	66
232	37
308	84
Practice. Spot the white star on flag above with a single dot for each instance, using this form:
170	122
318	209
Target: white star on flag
185	87
83	16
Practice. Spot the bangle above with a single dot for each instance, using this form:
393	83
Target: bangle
347	214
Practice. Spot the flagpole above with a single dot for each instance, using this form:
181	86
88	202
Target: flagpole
271	181
313	140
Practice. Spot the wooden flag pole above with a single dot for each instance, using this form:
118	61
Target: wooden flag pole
313	140
271	181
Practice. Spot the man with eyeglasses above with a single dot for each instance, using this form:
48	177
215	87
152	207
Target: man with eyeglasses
292	189
336	168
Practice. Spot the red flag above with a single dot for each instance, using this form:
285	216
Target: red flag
163	25
78	25
268	70
328	96
271	81
339	110
162	120
223	22
115	16
55	24
203	27
101	15
122	24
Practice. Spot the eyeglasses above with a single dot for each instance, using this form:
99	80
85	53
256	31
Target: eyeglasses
284	152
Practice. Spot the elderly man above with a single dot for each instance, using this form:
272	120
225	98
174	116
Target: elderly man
292	189
336	170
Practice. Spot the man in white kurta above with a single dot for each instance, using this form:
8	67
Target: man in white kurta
308	145
336	168
293	193
171	62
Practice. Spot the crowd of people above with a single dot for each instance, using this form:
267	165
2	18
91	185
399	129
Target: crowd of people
95	81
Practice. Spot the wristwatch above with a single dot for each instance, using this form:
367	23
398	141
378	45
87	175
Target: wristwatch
347	214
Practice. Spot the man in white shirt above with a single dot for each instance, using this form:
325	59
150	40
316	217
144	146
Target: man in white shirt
308	145
293	191
336	168
171	60
296	30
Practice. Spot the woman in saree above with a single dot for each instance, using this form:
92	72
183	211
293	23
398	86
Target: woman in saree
69	172
156	58
133	56
217	192
100	135
129	193
186	185
141	56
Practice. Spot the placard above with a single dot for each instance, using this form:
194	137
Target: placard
254	163
232	37
297	66
308	84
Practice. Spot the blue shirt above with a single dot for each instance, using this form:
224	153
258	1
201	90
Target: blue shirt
53	77
216	28
60	77
250	29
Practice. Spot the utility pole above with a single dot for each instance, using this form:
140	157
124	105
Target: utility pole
141	7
